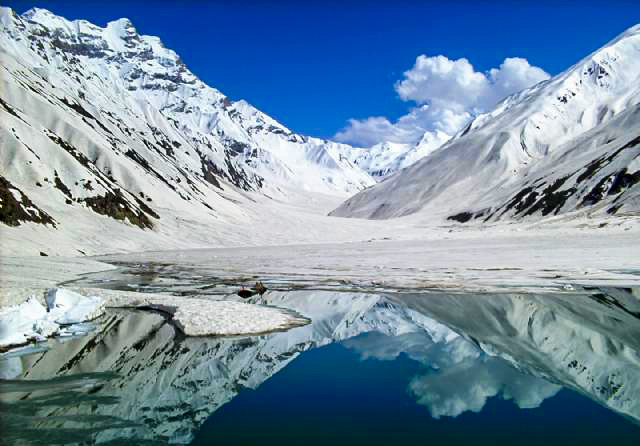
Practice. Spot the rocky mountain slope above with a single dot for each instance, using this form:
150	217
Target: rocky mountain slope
105	128
570	143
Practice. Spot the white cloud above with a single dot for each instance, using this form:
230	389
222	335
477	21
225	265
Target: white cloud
515	74
459	377
370	131
409	129
419	346
452	84
434	117
466	386
447	93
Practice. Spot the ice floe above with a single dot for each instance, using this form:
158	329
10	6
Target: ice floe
67	307
203	317
228	318
20	323
66	311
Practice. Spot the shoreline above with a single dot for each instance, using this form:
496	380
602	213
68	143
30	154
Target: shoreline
480	261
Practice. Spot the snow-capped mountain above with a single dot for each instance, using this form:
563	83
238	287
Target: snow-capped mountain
570	143
386	158
106	123
378	160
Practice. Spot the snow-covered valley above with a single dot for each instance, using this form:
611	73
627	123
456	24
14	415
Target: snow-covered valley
501	262
110	144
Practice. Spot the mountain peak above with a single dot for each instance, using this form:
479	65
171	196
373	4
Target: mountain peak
518	150
35	13
51	20
130	134
45	17
123	27
6	15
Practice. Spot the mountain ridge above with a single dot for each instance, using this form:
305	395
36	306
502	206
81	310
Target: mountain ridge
103	125
487	165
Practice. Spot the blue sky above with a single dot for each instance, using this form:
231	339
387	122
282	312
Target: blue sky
315	65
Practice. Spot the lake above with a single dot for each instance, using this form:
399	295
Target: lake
410	367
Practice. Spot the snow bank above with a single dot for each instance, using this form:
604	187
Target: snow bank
20	323
31	321
203	317
66	310
67	307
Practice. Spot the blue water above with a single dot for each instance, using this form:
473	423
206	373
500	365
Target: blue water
330	396
406	369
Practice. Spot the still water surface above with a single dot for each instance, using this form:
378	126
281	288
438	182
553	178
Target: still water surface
370	403
410	368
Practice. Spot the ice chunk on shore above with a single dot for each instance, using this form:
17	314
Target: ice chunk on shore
30	320
195	317
20	323
68	307
204	317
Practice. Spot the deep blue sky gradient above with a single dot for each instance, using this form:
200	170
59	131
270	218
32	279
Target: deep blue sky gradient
313	65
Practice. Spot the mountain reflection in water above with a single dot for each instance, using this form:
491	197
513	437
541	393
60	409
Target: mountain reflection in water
430	356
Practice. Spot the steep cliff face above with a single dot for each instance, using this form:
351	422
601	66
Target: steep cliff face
104	123
567	144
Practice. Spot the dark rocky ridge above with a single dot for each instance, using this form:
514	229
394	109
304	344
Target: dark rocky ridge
14	211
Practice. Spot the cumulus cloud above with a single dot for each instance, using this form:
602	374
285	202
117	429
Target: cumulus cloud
408	129
459	378
419	346
370	131
466	386
447	94
453	84
515	74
